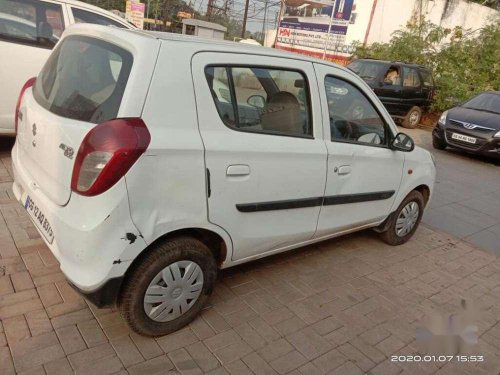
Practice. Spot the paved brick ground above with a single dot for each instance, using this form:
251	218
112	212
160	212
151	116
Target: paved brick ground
341	307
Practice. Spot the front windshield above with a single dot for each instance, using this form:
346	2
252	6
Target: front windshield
488	102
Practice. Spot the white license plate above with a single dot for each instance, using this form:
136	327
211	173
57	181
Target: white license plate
39	219
464	138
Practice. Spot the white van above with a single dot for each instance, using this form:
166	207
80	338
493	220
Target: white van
144	181
29	29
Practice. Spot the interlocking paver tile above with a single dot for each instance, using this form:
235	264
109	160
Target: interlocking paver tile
343	306
34	351
70	339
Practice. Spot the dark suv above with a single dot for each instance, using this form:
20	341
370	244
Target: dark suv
406	90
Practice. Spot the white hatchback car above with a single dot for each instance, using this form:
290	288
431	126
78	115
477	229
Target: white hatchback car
29	29
144	181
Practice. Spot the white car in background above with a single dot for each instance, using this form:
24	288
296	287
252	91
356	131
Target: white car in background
29	29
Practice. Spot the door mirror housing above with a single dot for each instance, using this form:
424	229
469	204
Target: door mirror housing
256	101
402	142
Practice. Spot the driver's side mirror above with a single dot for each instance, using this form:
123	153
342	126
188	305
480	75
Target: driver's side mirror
257	101
402	142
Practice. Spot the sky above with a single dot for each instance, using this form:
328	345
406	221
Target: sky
255	11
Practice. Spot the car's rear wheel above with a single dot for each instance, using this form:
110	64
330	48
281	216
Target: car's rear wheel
438	144
168	287
412	118
404	222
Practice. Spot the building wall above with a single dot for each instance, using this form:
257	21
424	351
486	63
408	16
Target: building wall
391	15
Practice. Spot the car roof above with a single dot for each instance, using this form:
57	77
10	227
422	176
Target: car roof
235	47
204	44
393	62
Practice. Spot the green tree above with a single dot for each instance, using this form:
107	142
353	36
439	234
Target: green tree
464	63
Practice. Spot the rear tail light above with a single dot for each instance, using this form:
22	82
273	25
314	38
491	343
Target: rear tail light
107	153
30	82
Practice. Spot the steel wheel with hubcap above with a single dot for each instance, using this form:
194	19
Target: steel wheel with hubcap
168	286
412	118
407	219
173	291
402	223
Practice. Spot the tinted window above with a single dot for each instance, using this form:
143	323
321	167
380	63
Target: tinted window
368	70
353	118
485	102
411	78
31	22
261	100
82	16
427	78
84	79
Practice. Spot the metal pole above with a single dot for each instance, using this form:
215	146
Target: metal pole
264	24
329	28
243	28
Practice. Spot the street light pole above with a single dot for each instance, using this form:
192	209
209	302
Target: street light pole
329	28
264	23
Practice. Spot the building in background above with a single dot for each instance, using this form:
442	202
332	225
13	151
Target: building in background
203	29
304	24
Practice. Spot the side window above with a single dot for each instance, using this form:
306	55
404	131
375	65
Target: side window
83	16
427	78
353	118
393	76
31	22
263	100
411	78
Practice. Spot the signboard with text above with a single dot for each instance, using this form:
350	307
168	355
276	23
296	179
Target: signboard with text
304	28
134	12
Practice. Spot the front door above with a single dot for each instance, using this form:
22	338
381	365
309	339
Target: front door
364	174
260	121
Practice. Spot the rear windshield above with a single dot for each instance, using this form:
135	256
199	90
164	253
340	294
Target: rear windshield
84	79
368	70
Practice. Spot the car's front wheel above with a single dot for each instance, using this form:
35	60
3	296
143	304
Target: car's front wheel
438	144
405	220
168	287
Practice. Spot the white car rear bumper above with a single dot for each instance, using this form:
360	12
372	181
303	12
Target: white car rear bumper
94	240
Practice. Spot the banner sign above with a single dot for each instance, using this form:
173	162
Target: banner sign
134	12
304	26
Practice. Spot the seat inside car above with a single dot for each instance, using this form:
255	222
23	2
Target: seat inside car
282	114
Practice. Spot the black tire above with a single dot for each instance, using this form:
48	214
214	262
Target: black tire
438	144
390	236
412	118
131	300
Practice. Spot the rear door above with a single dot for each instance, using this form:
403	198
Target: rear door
28	31
413	95
261	125
86	81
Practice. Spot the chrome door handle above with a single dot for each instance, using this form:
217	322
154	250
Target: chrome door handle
344	169
238	170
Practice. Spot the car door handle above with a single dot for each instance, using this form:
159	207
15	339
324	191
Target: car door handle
238	170
343	170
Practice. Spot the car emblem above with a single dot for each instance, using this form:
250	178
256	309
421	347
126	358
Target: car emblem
34	130
469	126
68	151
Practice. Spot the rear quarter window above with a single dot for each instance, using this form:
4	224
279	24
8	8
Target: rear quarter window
84	79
